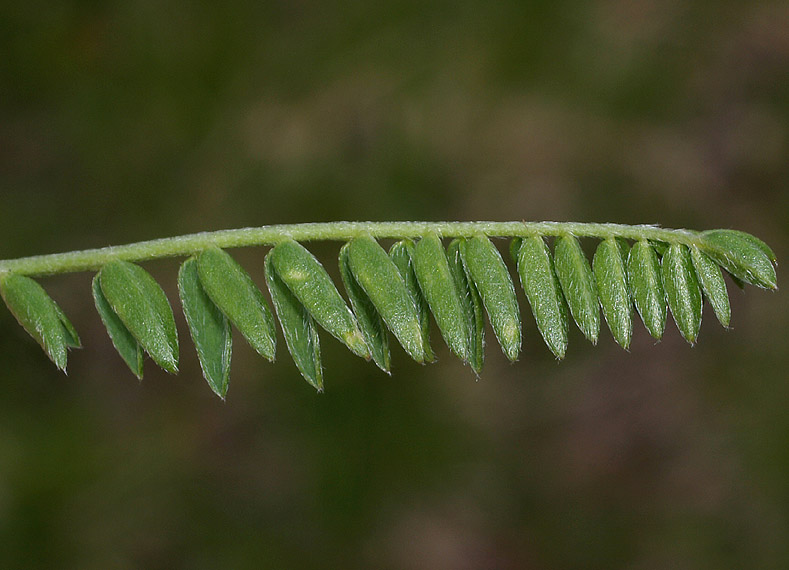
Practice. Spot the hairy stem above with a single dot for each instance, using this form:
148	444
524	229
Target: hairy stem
94	259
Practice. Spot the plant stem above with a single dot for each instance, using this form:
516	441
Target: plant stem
94	259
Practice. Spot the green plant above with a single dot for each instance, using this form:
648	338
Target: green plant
392	292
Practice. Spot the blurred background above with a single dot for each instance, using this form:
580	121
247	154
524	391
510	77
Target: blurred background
125	121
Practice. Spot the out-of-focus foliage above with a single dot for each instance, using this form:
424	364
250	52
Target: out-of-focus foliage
113	116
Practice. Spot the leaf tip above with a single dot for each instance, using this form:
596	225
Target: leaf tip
691	339
355	341
511	341
624	343
170	365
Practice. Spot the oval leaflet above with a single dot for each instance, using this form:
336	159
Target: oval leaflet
298	327
236	295
712	285
492	279
439	288
370	322
611	278
472	306
682	291
142	307
40	316
578	285
544	293
402	253
646	285
306	278
208	326
380	279
122	339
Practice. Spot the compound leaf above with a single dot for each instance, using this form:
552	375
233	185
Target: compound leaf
393	292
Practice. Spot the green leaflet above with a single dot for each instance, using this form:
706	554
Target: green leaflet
370	322
122	339
646	286
609	271
401	253
298	327
472	306
682	291
208	326
40	316
236	295
578	284
492	279
438	285
712	284
744	256
724	235
544	293
308	281
377	274
142	307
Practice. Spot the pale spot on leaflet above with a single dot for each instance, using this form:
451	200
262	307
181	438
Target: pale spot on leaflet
295	275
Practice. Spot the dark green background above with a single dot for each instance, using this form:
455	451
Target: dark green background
124	121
